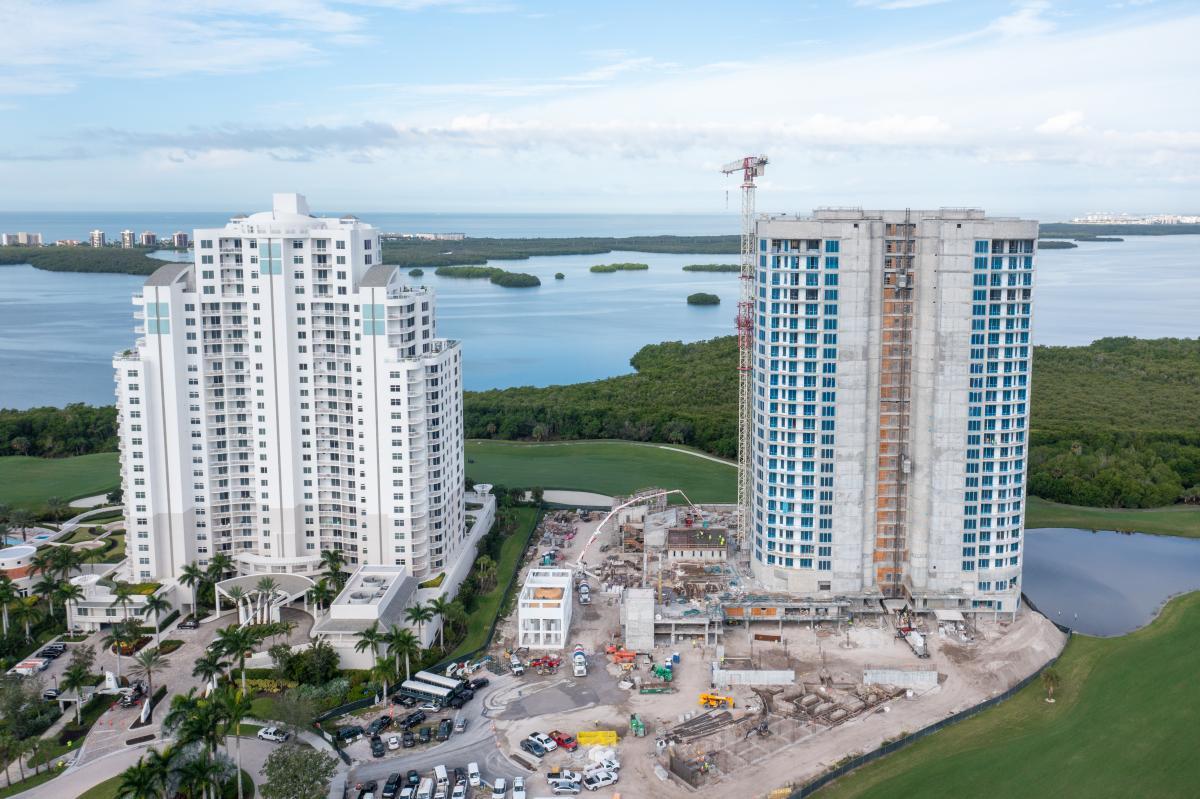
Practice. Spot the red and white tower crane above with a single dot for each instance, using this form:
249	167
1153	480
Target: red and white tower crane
750	167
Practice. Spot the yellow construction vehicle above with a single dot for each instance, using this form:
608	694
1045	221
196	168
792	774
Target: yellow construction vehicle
714	700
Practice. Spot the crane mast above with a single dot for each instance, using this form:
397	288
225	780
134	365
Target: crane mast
751	167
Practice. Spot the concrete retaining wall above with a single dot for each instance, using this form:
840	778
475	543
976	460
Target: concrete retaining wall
723	678
901	678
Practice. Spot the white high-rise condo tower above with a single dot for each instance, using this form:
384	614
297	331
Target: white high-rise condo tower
290	395
891	396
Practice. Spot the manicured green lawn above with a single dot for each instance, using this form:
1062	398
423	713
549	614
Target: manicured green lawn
1181	520
108	789
1124	725
31	781
606	467
27	482
479	622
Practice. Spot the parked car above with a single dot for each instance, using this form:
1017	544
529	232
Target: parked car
393	743
413	777
459	792
347	734
563	775
607	764
599	779
392	786
403	701
429	707
272	734
564	740
408	740
379	725
479	682
413	719
460	776
473	777
445	727
187	624
425	735
564	788
367	789
460	724
518	788
533	747
544	740
378	747
499	788
49	652
50	694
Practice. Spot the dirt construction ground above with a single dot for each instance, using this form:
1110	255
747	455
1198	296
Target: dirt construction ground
799	747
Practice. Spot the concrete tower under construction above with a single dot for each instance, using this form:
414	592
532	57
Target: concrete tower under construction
891	380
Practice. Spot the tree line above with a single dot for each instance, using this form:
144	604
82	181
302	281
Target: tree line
1114	424
83	259
47	432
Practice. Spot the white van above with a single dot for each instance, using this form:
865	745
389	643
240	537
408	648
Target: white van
441	777
426	789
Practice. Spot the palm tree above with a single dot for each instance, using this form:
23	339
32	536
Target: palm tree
370	638
219	565
438	607
1050	681
21	519
195	578
145	663
46	587
456	616
209	667
265	593
123	633
418	614
161	765
402	643
237	594
139	781
334	561
235	642
55	507
67	592
236	707
8	746
322	593
199	774
8	594
75	679
156	604
26	612
485	571
123	593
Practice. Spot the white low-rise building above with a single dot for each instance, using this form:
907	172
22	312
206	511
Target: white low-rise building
544	609
99	607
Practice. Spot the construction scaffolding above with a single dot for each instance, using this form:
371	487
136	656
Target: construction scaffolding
895	400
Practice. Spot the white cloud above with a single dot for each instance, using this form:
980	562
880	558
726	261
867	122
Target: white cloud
1028	20
1066	122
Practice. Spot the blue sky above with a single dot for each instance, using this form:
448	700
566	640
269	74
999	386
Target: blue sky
1039	107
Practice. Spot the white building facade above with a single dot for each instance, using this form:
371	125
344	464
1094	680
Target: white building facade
891	374
290	395
544	609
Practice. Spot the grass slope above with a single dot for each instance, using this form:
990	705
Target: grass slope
1181	520
27	482
1124	725
607	467
480	621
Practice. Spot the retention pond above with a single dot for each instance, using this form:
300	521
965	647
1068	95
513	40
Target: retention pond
1106	583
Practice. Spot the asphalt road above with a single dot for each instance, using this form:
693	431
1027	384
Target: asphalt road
476	744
